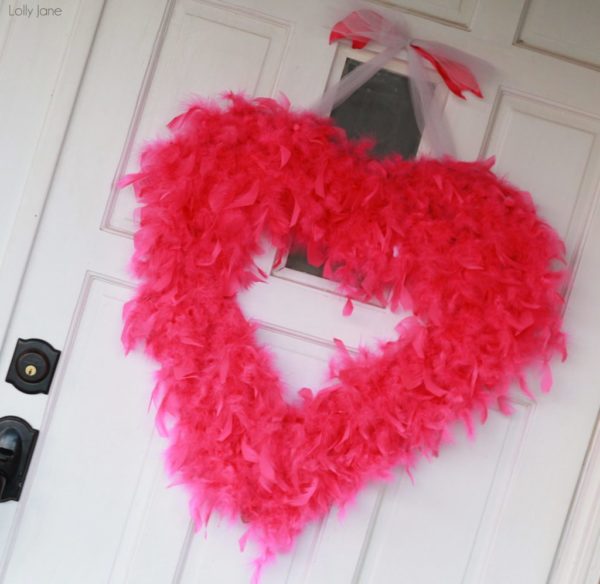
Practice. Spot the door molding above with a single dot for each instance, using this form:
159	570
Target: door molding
577	558
59	73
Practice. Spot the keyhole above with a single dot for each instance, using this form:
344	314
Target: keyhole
30	370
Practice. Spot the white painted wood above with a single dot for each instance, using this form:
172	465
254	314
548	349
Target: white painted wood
96	507
579	557
568	30
525	131
459	12
41	63
23	119
94	489
456	548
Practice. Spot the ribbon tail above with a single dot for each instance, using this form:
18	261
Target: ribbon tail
457	76
428	110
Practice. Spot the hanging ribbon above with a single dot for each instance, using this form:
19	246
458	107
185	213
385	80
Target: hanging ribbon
454	67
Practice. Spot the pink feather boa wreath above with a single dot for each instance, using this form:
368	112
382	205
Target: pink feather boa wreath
462	248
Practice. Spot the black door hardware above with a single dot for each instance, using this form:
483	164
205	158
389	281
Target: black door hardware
17	441
32	366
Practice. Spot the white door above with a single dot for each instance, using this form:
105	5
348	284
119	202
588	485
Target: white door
96	507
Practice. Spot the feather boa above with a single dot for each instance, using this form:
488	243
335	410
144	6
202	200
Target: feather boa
463	249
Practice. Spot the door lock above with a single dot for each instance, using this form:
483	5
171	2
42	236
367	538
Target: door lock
32	366
17	441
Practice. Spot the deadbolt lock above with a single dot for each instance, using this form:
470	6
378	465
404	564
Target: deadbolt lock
32	366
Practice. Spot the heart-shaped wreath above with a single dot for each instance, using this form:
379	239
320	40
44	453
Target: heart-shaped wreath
462	248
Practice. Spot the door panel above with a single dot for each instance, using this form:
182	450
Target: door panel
558	28
201	49
93	451
525	133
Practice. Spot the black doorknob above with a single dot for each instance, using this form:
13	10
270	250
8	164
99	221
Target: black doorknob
17	441
10	453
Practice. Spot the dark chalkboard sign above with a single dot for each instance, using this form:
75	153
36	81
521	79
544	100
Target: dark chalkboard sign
381	109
